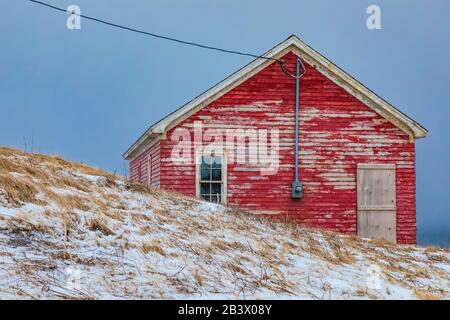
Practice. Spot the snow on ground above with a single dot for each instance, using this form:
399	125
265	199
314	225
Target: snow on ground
68	231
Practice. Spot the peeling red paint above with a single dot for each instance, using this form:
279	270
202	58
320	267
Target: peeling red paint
139	165
337	131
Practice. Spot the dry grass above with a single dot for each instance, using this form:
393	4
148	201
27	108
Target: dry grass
99	224
145	230
207	251
236	267
426	295
219	244
68	201
70	182
53	171
155	246
6	154
18	190
339	247
198	278
22	225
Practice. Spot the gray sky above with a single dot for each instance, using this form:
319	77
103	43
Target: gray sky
87	94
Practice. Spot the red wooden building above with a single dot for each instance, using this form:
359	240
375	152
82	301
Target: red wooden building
356	160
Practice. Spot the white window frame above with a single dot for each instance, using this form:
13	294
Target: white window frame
198	162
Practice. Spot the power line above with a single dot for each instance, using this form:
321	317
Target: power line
156	35
280	62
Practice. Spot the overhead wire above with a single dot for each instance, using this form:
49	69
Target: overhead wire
190	43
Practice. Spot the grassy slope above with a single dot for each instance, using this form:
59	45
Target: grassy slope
71	231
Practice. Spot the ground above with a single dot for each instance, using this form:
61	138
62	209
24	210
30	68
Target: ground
69	231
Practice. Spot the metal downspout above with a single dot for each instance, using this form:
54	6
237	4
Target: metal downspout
297	185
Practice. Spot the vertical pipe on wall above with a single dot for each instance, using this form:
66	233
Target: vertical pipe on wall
297	97
296	185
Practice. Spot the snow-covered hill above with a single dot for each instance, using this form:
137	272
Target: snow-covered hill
71	231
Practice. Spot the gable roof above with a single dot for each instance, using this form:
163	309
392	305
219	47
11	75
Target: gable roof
310	56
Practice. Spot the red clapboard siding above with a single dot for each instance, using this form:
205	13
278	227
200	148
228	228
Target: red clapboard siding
139	166
336	132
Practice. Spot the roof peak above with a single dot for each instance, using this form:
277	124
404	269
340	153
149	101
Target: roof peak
310	56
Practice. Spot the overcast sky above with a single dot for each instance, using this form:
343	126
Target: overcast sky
88	94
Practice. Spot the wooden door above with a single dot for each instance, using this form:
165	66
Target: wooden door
376	199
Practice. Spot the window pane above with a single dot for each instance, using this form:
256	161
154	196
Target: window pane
205	188
211	170
206	174
217	162
217	174
216	188
206	162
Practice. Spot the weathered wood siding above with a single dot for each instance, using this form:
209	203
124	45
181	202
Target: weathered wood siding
336	133
139	165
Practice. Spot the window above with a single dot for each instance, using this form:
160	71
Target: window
211	178
149	171
139	171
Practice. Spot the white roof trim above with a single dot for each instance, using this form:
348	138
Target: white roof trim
312	57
